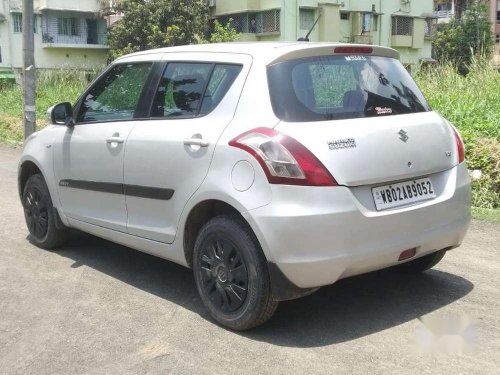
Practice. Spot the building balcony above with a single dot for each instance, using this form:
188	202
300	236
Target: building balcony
65	30
76	41
87	6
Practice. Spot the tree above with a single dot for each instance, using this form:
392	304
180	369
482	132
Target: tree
148	24
461	39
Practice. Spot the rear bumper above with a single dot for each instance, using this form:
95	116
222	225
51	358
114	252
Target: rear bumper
318	235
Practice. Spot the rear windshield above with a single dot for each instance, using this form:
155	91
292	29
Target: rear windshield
342	87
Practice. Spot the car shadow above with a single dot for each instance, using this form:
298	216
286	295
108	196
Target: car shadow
350	309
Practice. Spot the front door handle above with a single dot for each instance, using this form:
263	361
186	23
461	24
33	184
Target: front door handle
115	140
197	142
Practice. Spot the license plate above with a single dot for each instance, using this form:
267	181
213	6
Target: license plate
403	193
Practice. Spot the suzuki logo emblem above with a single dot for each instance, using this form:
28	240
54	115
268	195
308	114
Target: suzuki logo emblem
403	135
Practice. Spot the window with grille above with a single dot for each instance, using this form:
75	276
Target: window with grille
430	27
306	19
270	22
402	26
17	21
67	26
497	39
255	23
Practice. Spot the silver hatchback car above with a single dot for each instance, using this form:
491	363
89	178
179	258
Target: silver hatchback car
269	169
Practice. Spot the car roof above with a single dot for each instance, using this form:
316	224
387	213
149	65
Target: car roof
267	51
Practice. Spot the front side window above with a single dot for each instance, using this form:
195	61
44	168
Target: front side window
116	95
188	90
342	87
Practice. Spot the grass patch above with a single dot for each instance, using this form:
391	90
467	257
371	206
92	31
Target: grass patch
486	214
472	104
52	87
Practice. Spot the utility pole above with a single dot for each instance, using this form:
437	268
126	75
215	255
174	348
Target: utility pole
28	69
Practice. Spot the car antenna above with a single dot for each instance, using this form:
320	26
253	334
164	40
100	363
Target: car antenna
306	38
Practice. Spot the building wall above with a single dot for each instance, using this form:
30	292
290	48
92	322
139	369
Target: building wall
331	28
70	52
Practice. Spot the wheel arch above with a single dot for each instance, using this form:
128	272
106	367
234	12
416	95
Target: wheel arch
198	216
27	168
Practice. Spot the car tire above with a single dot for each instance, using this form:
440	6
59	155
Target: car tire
423	263
231	274
43	222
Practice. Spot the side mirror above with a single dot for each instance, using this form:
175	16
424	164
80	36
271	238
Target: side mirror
61	114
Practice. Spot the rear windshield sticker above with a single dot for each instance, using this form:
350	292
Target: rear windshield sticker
355	58
383	110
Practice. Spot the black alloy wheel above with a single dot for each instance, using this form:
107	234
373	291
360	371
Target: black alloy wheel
224	275
36	212
231	274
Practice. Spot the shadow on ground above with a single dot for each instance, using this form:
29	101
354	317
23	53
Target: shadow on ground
348	310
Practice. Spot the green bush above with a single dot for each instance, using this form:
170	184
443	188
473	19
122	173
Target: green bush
472	104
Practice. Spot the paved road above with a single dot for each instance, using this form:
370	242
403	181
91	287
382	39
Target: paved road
96	307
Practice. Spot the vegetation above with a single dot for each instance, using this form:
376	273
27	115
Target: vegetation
463	38
472	104
164	23
52	88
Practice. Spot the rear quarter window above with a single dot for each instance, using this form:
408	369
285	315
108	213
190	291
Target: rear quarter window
342	87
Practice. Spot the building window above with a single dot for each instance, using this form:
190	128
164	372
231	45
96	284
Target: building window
67	26
344	16
497	39
306	19
270	21
0	54
402	26
17	21
430	27
498	11
254	23
366	22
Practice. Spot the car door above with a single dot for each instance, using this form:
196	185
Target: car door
88	157
168	156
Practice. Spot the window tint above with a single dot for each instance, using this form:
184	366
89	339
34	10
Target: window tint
192	89
342	87
116	95
221	81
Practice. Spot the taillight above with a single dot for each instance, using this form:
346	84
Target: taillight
283	159
460	145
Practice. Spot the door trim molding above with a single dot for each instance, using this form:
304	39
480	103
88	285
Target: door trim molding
148	192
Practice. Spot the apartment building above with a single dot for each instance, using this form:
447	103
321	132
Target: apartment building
67	34
406	25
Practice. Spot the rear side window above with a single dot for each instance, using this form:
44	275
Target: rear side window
189	90
342	87
115	95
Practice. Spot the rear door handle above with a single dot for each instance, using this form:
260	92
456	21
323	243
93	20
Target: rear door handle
197	142
115	140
